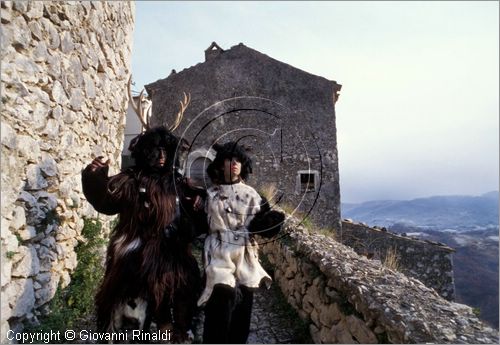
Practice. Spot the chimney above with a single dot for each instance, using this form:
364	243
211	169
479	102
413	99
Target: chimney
213	51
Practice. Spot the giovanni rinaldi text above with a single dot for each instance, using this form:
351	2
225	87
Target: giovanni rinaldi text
69	335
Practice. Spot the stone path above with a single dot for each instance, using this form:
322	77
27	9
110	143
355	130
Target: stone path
273	322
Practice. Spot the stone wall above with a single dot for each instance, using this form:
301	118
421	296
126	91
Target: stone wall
431	263
65	67
347	298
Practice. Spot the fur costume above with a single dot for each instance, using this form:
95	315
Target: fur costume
150	271
230	254
235	213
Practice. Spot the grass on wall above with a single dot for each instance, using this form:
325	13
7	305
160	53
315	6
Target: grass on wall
391	260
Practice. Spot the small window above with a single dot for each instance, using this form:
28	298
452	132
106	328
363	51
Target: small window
307	181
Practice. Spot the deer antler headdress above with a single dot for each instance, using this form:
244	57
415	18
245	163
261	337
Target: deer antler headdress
144	113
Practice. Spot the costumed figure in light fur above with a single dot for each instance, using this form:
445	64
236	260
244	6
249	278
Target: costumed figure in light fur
236	213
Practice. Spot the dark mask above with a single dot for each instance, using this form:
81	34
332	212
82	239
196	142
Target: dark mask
154	147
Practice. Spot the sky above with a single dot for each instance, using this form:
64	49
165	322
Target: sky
418	113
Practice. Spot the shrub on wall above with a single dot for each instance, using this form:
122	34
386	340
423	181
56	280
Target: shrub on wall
76	301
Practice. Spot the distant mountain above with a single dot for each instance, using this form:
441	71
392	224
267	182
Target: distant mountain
492	195
437	212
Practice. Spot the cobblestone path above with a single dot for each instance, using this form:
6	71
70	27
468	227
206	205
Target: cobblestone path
273	322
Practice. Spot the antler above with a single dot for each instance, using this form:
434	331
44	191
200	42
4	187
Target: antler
184	104
138	108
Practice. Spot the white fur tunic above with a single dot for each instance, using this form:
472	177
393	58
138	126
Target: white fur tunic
230	257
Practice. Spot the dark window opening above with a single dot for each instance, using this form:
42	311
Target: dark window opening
307	182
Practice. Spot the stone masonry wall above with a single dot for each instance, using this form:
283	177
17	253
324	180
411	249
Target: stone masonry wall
65	67
431	263
347	298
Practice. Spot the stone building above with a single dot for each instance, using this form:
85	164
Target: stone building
285	115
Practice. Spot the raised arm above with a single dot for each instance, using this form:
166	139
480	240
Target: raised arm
97	189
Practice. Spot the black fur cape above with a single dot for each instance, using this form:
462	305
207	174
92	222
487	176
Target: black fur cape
149	253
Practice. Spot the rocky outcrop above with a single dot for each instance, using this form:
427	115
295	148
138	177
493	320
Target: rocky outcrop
347	298
65	66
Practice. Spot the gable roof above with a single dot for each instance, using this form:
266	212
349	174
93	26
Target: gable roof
214	54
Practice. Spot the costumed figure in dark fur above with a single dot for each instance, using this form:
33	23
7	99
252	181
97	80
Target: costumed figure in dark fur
150	273
236	212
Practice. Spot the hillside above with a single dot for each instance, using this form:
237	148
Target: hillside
438	212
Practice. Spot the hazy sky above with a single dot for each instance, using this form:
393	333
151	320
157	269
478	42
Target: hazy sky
419	108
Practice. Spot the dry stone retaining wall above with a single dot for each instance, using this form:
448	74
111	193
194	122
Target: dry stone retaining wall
431	263
65	66
347	298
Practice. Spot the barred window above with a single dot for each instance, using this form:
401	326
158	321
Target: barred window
307	181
